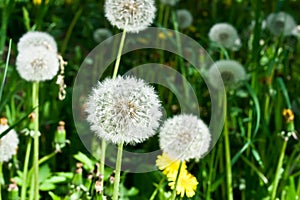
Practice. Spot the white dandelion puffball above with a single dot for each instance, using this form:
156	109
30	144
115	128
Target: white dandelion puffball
296	31
37	64
224	34
184	17
101	34
169	2
184	137
36	38
280	23
8	144
123	109
231	73
130	15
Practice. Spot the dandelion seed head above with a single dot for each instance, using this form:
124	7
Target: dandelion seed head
224	34
123	109
8	143
36	39
101	34
36	63
130	15
280	23
231	73
184	137
184	17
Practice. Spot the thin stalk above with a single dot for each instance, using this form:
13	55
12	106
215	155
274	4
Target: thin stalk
25	169
1	180
102	162
70	30
157	188
227	159
279	166
5	70
118	172
211	167
173	197
116	68
35	102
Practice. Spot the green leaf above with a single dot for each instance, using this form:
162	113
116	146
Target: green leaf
44	173
47	186
54	196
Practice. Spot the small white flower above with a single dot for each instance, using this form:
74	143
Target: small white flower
123	109
224	34
130	15
231	73
280	23
101	34
8	144
36	63
184	137
36	38
184	17
169	2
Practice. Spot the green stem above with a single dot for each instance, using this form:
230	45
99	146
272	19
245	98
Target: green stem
35	102
118	171
102	163
25	169
278	170
116	68
227	158
173	197
211	170
70	30
157	188
1	180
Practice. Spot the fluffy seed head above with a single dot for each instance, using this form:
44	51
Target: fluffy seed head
169	2
101	34
8	144
36	63
280	23
130	15
184	17
123	109
36	38
231	73
184	137
224	34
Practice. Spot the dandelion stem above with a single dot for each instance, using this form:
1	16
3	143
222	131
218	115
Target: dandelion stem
102	162
35	102
278	170
173	197
118	171
227	158
25	169
1	180
116	68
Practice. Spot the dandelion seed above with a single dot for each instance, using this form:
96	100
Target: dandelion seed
231	73
280	23
130	15
37	39
101	34
184	17
8	143
225	35
36	63
123	109
184	137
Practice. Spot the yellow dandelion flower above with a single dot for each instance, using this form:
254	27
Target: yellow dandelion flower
39	2
187	183
168	165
